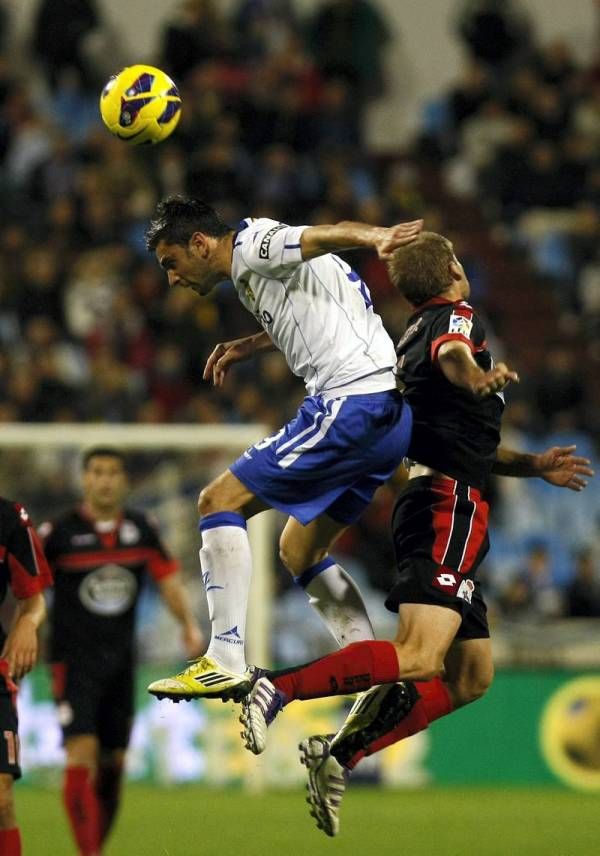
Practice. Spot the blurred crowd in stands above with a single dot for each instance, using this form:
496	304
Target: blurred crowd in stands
520	131
274	124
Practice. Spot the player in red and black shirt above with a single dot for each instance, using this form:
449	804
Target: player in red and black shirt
442	652
24	574
100	554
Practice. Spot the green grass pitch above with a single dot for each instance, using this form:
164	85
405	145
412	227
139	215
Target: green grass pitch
193	821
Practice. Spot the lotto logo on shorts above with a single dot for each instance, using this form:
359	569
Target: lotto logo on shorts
445	581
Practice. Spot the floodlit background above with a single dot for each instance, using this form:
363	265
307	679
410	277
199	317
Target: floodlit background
482	117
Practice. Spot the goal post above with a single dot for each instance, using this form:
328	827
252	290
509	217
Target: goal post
206	449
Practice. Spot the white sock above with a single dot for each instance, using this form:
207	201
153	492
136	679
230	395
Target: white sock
337	599
226	564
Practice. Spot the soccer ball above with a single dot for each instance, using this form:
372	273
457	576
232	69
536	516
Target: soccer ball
580	732
140	104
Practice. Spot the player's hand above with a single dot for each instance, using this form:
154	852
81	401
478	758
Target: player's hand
193	641
225	355
494	380
393	237
560	467
21	648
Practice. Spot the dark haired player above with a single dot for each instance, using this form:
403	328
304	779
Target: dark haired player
100	553
441	653
323	467
24	574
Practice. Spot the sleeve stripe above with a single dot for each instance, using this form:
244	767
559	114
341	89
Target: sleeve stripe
93	558
34	553
160	568
449	337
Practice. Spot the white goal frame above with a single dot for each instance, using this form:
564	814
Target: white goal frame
233	438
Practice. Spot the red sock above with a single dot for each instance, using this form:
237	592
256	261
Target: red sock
108	791
83	809
10	842
352	669
434	702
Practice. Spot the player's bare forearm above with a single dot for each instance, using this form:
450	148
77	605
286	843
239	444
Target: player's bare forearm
557	465
175	597
226	354
459	367
33	609
457	363
347	235
21	646
516	464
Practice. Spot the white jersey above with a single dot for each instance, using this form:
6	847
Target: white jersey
318	313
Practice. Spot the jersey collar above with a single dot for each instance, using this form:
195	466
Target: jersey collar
86	513
433	301
243	224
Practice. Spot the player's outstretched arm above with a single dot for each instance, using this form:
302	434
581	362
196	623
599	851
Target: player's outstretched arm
457	363
176	598
347	235
226	354
557	465
21	645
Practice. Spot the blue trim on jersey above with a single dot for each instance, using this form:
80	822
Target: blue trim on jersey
240	228
291	246
309	574
222	518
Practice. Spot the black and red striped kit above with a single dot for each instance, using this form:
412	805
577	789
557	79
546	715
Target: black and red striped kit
99	572
24	572
440	525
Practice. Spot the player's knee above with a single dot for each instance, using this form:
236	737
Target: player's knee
471	688
210	501
292	560
213	499
206	502
480	684
296	559
7	805
287	558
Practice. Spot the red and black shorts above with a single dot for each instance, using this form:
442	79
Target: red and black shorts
99	703
440	536
9	724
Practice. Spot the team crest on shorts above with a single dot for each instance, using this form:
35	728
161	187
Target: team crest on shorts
465	590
